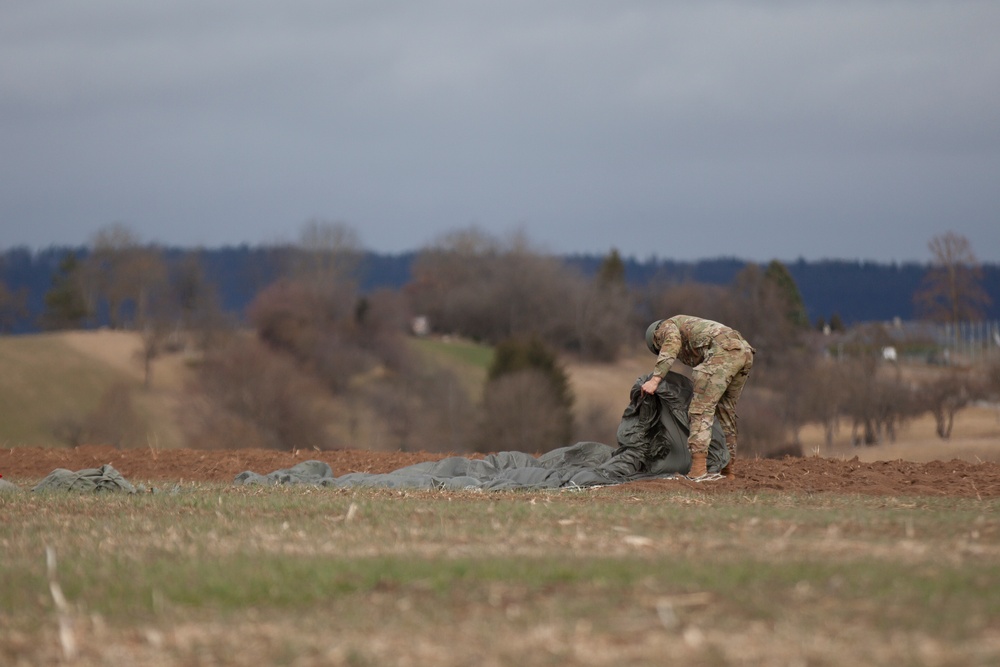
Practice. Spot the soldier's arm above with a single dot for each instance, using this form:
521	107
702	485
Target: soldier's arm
668	354
668	351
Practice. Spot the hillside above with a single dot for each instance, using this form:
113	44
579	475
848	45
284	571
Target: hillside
52	381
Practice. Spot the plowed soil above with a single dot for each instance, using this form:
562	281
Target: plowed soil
28	465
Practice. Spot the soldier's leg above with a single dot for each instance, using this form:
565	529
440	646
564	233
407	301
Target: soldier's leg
701	411
709	386
726	409
718	383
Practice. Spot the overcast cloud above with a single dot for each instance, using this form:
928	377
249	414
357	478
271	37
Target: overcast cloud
682	129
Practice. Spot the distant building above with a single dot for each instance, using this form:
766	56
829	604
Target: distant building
420	325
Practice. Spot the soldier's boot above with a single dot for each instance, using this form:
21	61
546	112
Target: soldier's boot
699	465
729	472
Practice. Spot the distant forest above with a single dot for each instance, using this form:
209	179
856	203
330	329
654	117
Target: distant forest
853	291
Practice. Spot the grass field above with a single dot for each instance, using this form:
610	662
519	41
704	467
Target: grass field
45	379
51	379
223	575
469	361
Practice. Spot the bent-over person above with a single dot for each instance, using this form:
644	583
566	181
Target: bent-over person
720	360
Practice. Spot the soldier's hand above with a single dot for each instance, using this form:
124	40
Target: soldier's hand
650	385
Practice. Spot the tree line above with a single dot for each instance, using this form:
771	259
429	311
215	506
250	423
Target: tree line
315	359
833	291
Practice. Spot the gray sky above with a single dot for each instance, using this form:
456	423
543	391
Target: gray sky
682	129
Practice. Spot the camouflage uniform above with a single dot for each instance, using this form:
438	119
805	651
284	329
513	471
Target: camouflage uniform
721	360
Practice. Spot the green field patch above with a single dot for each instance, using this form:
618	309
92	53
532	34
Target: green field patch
466	352
467	360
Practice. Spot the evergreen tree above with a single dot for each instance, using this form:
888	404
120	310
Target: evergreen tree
514	355
612	270
65	304
780	276
603	314
528	402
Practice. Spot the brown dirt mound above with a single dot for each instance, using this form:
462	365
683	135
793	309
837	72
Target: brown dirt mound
800	475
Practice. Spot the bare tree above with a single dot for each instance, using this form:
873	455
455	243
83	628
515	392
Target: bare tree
826	396
246	395
453	282
318	328
947	394
951	291
318	316
473	285
198	314
190	290
865	403
111	247
381	318
664	299
794	378
125	274
328	253
992	380
146	271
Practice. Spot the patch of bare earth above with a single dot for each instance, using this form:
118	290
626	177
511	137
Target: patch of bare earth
798	475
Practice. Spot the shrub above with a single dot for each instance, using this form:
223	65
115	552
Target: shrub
521	412
246	395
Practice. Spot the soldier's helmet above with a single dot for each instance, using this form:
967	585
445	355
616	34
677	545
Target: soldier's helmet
653	347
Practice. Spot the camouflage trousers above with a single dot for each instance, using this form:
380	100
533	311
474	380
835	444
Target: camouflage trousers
718	383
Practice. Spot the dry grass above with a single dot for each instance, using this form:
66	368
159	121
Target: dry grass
118	349
45	380
51	378
233	575
975	438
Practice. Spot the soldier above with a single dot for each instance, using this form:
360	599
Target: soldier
721	360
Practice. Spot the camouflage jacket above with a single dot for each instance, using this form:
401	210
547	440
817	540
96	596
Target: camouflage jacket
686	339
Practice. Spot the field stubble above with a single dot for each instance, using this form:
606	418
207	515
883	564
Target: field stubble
224	575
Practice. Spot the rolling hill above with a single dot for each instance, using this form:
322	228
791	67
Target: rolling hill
54	383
